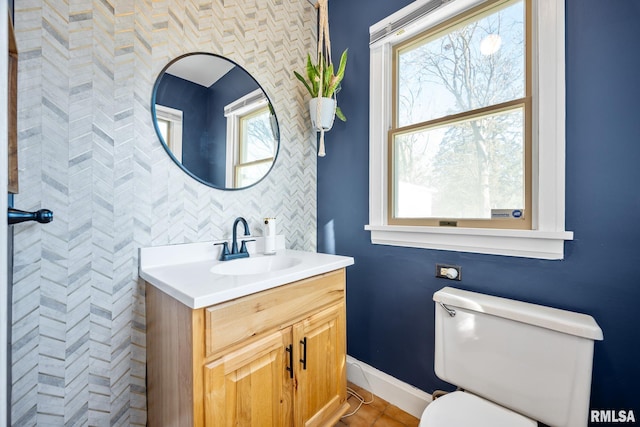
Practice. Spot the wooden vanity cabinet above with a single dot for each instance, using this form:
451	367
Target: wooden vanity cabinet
250	384
320	389
274	358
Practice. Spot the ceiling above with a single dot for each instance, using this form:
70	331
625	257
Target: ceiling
204	70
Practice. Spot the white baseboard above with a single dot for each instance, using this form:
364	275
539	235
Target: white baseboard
406	397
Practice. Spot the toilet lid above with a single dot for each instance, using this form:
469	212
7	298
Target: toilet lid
462	409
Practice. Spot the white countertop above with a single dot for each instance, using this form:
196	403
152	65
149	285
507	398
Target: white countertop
184	272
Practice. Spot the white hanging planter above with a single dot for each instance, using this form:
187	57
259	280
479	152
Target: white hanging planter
324	120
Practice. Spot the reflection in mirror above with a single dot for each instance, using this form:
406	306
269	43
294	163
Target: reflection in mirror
215	121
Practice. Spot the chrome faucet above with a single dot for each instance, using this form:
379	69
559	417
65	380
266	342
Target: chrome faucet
234	254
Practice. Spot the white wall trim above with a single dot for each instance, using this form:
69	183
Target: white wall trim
406	397
175	118
520	243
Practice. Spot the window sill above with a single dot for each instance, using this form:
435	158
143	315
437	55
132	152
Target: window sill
519	243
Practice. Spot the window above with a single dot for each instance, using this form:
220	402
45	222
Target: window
255	147
467	143
170	125
458	141
251	139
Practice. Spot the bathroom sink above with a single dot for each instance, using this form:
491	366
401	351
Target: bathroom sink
192	273
254	265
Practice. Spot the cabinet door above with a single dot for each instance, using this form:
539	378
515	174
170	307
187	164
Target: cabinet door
251	386
320	393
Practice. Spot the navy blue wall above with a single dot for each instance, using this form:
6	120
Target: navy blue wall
199	149
389	298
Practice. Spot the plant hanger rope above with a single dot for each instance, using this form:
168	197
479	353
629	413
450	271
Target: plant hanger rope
322	81
324	54
324	42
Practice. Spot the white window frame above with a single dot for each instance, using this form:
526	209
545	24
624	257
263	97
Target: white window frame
234	111
174	117
548	234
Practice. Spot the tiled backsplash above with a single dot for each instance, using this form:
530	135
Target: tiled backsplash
88	151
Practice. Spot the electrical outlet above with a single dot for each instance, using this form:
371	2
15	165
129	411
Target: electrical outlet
451	272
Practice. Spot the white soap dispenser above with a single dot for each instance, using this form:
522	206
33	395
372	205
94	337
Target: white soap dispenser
269	236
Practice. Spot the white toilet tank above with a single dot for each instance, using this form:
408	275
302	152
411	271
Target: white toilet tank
532	359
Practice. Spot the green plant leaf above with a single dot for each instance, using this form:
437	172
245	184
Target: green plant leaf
337	79
326	86
313	74
340	115
342	66
303	81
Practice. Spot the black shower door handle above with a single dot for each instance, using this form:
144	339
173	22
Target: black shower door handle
15	216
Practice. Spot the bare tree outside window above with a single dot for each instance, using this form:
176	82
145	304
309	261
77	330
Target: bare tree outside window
256	146
458	143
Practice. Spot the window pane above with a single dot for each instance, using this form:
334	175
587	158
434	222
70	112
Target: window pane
250	174
473	65
257	140
461	170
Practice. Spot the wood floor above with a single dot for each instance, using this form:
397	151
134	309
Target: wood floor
379	413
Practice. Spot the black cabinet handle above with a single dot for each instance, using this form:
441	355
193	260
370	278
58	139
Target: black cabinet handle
289	350
16	216
304	353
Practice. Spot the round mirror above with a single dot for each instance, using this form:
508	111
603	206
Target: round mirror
215	121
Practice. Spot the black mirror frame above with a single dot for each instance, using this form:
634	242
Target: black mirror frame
166	146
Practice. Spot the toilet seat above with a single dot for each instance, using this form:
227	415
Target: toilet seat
463	409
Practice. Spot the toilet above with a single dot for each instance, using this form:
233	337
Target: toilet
515	364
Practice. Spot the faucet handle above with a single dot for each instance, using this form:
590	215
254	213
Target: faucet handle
243	247
225	250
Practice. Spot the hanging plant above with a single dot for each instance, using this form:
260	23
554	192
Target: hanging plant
322	81
331	81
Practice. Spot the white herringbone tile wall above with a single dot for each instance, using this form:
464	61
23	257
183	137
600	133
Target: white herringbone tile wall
88	151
